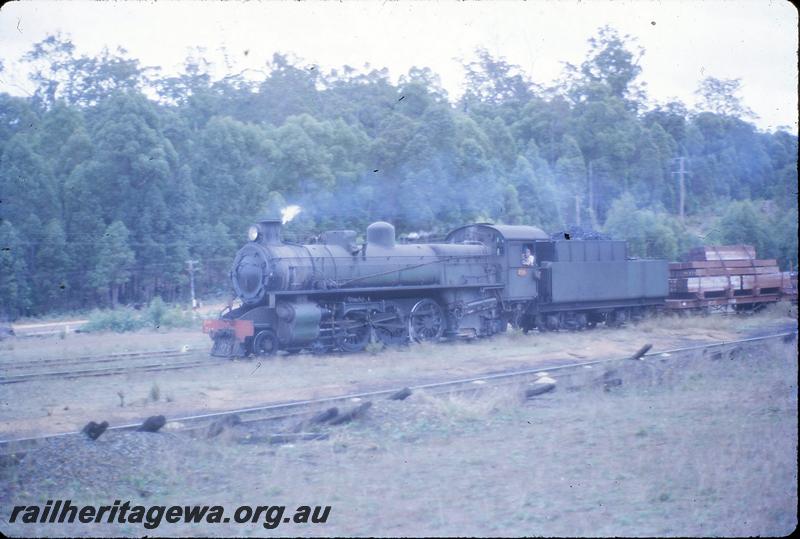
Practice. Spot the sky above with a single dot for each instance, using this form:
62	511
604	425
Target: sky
685	40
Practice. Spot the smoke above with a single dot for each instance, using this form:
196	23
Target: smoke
289	212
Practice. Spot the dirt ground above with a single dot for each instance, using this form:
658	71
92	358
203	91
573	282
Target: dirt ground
691	446
53	406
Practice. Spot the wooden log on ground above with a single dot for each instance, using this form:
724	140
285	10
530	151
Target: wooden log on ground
403	394
216	427
153	423
544	384
352	414
539	388
642	351
324	417
94	430
317	419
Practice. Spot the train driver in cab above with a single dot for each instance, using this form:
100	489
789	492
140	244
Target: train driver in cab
527	257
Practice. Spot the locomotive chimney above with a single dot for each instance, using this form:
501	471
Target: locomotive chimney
270	231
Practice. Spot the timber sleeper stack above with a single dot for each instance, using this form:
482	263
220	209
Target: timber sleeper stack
727	275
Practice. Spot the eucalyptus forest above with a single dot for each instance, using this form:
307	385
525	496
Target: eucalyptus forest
114	174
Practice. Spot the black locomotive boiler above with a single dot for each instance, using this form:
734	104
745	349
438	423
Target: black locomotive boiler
338	295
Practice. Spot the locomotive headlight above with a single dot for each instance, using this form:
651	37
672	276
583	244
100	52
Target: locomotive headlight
252	233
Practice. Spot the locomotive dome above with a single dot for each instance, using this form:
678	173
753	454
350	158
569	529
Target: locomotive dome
381	233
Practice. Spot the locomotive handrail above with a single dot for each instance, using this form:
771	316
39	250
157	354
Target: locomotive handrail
392	255
437	261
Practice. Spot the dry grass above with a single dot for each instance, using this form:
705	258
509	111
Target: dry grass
63	405
685	446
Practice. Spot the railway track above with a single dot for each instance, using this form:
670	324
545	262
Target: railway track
280	414
84	366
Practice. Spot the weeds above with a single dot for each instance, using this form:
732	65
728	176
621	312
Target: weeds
155	393
118	320
158	315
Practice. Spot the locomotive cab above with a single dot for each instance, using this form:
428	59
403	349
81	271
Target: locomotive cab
507	244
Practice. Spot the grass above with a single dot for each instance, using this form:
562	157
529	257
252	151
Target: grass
157	316
155	393
686	446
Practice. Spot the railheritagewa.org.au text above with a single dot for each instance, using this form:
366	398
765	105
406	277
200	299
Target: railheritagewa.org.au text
152	516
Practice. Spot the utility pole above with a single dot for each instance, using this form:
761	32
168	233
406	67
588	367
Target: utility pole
191	264
592	216
681	172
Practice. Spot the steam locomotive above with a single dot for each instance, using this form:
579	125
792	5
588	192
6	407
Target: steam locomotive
338	295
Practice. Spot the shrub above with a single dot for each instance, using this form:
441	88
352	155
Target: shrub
157	315
177	318
155	393
156	311
119	320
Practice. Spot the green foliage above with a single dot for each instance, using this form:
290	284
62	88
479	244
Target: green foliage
105	193
14	290
114	261
743	223
157	316
649	234
156	311
118	320
719	96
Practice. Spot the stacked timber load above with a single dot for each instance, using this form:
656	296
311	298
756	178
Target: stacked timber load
728	271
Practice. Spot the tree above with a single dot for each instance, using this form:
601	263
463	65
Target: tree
494	81
610	70
27	186
649	234
58	74
14	286
537	196
51	270
512	210
570	173
742	222
719	96
115	261
187	172
16	114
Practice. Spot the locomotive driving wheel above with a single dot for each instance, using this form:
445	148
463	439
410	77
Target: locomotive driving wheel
357	331
426	322
389	326
265	343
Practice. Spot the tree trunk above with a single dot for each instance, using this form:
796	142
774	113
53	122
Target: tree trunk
592	217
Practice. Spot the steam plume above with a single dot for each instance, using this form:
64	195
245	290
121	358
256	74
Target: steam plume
289	212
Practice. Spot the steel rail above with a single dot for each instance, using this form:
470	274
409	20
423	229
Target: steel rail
107	357
303	408
108	371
